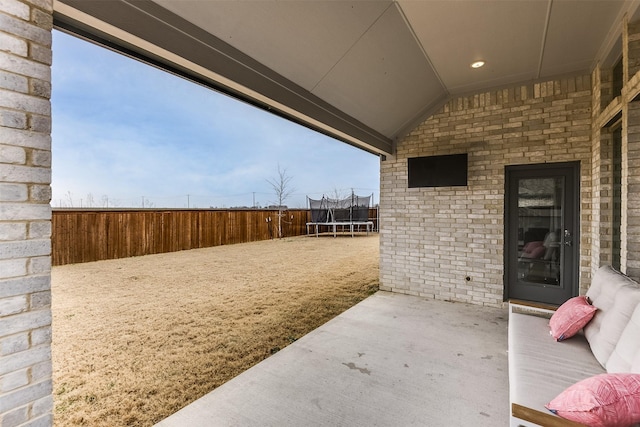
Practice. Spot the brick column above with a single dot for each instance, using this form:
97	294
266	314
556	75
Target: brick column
631	158
631	191
25	213
599	155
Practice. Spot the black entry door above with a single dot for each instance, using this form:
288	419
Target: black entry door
541	232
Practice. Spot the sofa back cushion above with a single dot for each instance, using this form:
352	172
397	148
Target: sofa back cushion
616	297
626	355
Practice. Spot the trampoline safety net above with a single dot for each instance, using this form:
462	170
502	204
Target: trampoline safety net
351	209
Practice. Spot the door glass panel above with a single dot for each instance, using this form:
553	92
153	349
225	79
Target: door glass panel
540	202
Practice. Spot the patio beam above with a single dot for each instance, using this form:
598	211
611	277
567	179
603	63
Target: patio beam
152	34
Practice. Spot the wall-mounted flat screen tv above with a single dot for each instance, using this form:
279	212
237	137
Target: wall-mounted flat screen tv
438	171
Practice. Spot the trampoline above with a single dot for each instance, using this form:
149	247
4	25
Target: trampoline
350	214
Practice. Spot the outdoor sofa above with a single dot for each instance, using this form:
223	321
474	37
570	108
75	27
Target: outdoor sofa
587	377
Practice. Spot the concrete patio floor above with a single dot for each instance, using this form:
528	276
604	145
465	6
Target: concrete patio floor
391	360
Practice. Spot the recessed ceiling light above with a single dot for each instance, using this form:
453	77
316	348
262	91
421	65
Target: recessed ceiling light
477	64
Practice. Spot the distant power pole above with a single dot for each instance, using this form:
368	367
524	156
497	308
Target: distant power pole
254	199
187	201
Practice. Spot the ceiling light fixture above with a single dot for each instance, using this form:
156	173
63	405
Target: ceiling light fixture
477	64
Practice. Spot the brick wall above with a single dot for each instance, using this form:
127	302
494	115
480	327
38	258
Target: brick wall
432	239
25	215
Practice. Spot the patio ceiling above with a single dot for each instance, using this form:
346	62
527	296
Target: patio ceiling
365	72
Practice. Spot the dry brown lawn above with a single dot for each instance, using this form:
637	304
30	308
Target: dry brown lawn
136	339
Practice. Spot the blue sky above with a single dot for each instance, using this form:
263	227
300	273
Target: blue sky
124	131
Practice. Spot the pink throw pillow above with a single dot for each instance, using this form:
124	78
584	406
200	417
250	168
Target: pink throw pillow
605	400
570	317
529	247
537	252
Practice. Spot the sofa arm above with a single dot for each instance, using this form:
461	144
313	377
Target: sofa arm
534	306
539	418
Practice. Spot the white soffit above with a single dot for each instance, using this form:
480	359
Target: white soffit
301	40
576	33
385	79
507	35
359	56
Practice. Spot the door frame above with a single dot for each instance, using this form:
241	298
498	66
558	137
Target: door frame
510	261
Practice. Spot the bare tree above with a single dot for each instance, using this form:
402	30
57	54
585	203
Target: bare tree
281	185
337	193
90	201
68	199
146	203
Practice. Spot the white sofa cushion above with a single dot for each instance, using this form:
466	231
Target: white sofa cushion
626	355
540	368
616	297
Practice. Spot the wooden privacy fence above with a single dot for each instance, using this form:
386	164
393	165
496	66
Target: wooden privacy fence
83	235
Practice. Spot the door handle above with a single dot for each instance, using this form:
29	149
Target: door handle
568	238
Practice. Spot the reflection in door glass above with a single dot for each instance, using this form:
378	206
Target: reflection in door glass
540	202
